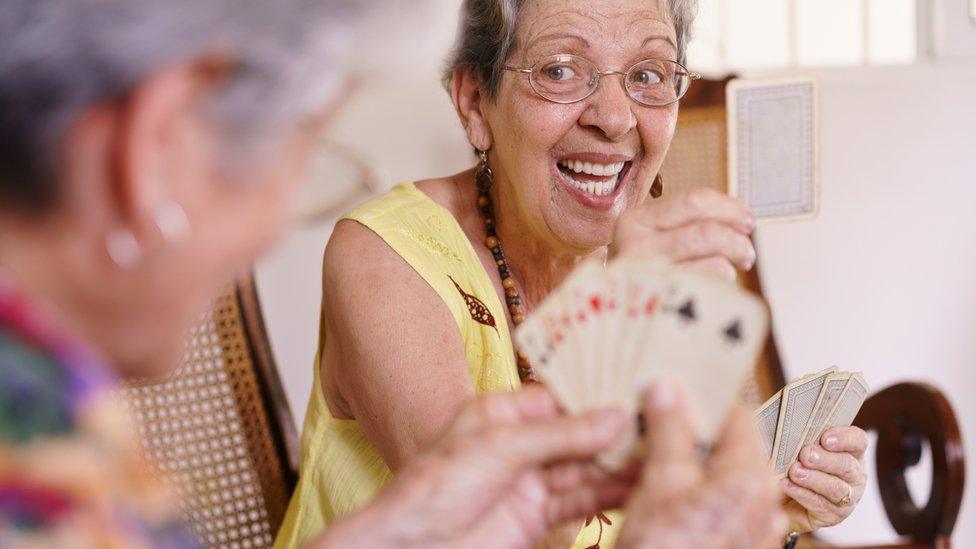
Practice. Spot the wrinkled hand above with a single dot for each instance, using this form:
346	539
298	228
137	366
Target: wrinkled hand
510	468
729	501
701	228
826	474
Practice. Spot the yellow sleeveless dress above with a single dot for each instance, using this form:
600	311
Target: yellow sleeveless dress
341	470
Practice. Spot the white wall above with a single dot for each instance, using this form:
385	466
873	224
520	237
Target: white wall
883	281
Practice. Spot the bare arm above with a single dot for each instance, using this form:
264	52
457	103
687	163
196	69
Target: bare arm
394	357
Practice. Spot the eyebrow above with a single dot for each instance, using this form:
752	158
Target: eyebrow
558	36
663	37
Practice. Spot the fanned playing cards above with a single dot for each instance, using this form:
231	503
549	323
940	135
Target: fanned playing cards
607	333
799	414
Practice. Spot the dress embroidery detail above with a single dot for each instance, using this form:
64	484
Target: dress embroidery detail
430	243
601	520
478	310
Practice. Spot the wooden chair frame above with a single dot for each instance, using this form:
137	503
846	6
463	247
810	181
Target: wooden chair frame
279	413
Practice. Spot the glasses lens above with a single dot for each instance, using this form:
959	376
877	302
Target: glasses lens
657	82
564	78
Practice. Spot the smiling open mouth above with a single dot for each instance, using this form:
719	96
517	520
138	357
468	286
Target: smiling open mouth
592	178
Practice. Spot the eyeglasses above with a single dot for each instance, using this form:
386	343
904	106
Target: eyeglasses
567	79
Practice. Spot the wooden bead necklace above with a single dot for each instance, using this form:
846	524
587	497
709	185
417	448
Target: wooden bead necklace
483	179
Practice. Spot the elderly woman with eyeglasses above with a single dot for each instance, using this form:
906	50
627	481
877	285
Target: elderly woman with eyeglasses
570	107
148	150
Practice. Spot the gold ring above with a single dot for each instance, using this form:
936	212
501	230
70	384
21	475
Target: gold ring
846	500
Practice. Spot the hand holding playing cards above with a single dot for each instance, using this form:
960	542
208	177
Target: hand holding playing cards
510	468
701	228
729	501
828	481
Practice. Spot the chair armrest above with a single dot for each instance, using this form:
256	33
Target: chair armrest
904	415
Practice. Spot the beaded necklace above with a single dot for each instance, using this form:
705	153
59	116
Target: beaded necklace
483	178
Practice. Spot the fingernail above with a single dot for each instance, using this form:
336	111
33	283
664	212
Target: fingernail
749	224
800	473
813	457
830	442
663	395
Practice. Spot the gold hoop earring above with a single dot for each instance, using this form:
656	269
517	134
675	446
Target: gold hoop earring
657	188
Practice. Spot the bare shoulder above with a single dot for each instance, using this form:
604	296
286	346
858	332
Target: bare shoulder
360	270
395	360
353	249
445	191
369	290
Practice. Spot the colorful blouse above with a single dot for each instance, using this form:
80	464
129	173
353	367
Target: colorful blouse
71	472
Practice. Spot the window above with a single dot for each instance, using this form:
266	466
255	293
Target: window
757	34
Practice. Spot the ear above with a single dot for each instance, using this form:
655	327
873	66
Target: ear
469	98
158	125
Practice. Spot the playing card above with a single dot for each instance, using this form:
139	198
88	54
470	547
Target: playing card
849	403
773	146
590	313
546	338
706	334
606	334
798	404
832	390
641	288
767	418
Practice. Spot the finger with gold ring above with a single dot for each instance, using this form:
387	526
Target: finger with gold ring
846	500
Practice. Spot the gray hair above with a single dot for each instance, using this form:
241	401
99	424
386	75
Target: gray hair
486	37
58	57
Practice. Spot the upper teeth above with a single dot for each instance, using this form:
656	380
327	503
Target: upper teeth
601	170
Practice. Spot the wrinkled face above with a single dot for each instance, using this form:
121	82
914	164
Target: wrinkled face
572	169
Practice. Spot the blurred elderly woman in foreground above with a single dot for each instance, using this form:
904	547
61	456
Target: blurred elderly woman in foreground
148	150
571	106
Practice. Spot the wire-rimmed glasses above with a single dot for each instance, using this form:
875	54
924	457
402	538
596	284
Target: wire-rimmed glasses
565	79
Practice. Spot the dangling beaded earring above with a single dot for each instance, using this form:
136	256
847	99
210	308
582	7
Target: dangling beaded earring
657	188
483	177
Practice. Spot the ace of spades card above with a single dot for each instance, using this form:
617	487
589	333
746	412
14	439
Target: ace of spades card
706	335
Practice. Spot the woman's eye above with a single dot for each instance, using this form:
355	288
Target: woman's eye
647	78
559	72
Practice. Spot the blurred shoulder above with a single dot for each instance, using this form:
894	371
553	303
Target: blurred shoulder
36	392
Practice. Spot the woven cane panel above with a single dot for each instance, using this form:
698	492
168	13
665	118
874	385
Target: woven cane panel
698	155
205	429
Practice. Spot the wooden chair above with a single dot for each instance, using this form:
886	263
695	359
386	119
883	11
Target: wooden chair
904	415
220	430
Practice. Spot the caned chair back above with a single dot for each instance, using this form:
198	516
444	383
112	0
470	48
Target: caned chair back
219	429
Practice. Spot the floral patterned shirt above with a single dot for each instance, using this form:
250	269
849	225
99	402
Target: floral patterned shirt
71	471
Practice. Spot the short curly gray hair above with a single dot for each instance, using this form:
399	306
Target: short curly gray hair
57	57
486	36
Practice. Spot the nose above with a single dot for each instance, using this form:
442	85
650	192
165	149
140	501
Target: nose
610	110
